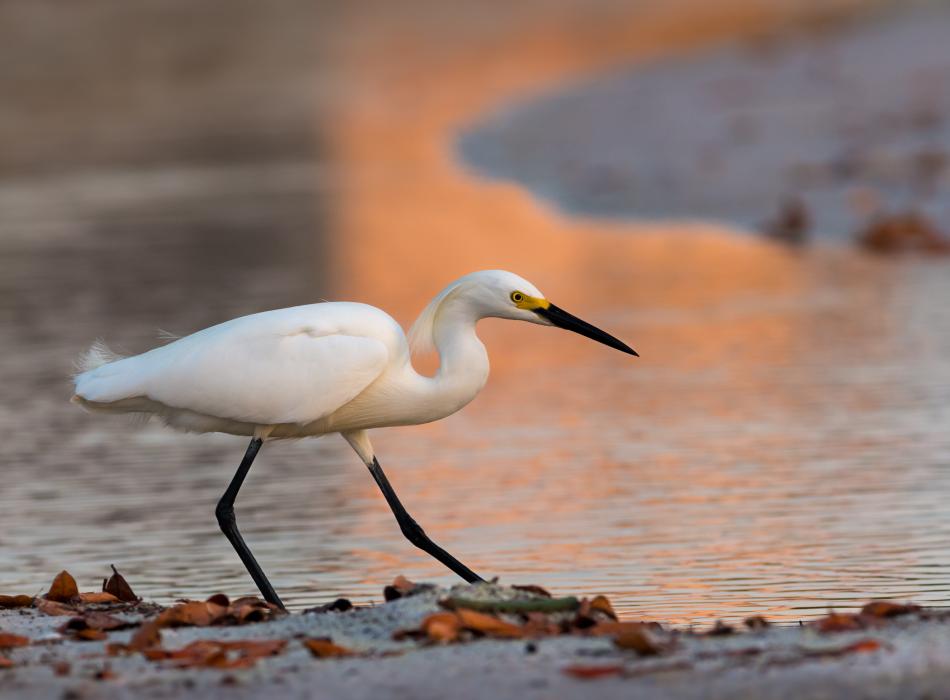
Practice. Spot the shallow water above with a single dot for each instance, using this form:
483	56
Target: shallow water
780	447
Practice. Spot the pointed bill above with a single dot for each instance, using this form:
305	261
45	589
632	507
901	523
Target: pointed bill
562	319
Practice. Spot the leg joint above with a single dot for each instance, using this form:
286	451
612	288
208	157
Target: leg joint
224	512
414	532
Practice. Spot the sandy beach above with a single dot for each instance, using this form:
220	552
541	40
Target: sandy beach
370	655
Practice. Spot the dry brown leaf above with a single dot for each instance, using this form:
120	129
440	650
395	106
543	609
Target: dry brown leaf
838	622
399	588
8	640
885	608
538	624
249	612
105	674
63	589
721	629
15	601
591	672
50	607
612	629
96	620
536	590
592	611
863	646
97	598
147	636
488	624
88	634
637	637
325	648
603	605
248	600
215	654
441	626
192	613
338	605
119	587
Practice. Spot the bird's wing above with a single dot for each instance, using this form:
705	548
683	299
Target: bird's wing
275	367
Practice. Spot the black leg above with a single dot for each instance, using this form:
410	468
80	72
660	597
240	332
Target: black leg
413	532
225	513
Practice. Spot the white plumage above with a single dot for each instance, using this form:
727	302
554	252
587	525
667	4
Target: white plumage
308	370
289	366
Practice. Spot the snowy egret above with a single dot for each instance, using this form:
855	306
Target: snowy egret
334	367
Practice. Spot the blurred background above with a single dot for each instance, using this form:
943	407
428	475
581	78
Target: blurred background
752	193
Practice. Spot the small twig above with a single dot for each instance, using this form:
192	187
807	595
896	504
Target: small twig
547	605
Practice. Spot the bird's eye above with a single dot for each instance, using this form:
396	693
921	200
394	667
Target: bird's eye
517	297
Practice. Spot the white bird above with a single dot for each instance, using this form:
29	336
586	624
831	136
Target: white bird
333	367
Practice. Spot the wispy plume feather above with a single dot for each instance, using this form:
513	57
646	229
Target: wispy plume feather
97	355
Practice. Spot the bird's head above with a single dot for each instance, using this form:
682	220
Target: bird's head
501	294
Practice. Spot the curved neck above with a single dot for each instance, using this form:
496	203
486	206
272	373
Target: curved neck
463	362
462	356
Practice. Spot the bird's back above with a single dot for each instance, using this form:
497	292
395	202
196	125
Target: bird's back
290	365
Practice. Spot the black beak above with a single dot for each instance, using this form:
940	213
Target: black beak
560	318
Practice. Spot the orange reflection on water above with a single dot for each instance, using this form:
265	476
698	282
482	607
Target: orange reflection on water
543	475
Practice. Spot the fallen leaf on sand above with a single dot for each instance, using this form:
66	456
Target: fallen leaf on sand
885	608
119	587
105	674
192	613
539	624
720	629
63	589
401	587
864	646
338	605
147	636
904	232
208	653
15	601
536	590
95	620
325	648
89	635
637	636
592	611
488	624
8	641
97	598
591	672
51	607
441	627
603	605
250	609
838	622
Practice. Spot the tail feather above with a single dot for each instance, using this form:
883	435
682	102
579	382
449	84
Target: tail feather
97	355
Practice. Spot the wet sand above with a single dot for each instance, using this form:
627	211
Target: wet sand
903	657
